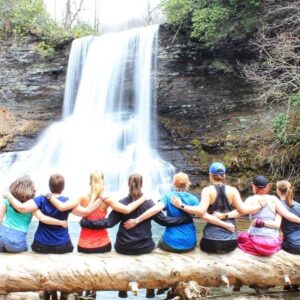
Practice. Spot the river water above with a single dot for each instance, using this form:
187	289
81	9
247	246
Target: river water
216	293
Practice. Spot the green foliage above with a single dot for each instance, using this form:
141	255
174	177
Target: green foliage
177	11
287	126
214	21
80	30
21	17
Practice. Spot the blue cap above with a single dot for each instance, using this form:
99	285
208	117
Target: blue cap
217	168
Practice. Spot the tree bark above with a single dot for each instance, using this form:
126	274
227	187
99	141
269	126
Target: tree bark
159	269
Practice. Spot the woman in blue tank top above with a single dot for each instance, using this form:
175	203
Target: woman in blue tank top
290	230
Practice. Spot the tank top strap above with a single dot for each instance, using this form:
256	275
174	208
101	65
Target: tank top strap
221	203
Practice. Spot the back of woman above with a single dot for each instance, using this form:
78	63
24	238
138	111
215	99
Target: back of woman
267	212
137	240
92	239
290	230
217	239
183	236
263	236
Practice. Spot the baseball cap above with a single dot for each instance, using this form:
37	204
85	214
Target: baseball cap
217	168
260	181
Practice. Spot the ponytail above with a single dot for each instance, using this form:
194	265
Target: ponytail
287	190
135	183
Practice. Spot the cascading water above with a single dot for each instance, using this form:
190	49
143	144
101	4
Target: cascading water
108	120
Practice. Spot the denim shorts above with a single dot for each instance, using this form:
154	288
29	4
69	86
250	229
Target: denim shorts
12	240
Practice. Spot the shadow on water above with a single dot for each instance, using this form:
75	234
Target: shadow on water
216	293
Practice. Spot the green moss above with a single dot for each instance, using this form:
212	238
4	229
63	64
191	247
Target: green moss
196	143
220	66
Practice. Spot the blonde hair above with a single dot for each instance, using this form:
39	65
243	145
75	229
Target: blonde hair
181	181
286	188
97	184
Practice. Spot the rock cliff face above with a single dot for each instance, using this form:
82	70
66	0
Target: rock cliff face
31	92
206	111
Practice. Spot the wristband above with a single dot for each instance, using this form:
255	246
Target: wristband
48	196
259	223
225	216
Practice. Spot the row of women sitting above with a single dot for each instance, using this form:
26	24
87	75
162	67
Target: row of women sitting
220	204
135	211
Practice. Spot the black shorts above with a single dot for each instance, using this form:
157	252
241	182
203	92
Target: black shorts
134	251
103	249
163	246
217	246
53	249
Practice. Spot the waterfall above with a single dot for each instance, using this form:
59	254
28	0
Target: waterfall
109	119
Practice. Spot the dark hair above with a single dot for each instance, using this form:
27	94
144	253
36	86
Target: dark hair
218	177
56	183
22	188
135	183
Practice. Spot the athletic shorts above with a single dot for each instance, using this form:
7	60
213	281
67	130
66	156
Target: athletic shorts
54	249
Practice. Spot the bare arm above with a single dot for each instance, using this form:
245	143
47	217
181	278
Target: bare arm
146	215
63	206
22	207
214	220
48	220
243	207
124	209
198	210
2	211
280	209
84	211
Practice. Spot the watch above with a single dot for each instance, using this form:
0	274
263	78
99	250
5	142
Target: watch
182	206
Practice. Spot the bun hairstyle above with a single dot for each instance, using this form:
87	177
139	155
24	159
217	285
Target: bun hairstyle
286	188
135	182
97	184
23	188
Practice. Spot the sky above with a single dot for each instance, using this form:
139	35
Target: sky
111	13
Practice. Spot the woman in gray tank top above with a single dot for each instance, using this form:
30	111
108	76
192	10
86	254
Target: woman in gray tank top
263	237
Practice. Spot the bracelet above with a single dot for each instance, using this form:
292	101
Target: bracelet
225	216
48	196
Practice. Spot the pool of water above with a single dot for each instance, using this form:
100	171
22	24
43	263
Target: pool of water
216	293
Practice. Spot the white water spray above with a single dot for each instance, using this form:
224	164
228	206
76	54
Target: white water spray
109	119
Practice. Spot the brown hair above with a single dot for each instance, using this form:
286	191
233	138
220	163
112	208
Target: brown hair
22	188
135	182
285	187
56	183
218	177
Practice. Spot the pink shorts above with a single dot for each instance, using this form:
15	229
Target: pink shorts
259	245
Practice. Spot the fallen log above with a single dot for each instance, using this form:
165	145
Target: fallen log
111	271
